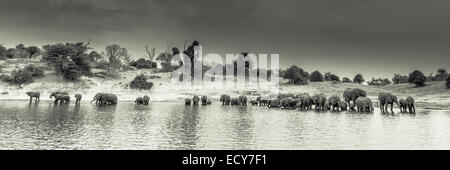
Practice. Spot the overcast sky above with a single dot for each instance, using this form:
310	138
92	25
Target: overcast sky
375	38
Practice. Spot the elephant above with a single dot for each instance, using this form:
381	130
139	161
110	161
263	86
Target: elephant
343	105
78	98
187	101
352	94
139	100
59	96
327	106
234	101
334	103
208	102
281	96
319	101
58	92
204	100
36	95
253	102
386	99
243	100
195	100
225	99
105	99
403	105
364	104
146	99
286	102
274	103
304	101
262	100
294	103
410	102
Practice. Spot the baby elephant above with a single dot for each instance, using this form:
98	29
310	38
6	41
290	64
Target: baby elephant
187	101
78	98
403	105
410	104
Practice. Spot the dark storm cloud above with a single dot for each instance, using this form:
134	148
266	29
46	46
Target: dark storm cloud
317	34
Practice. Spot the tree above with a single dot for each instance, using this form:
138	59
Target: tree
296	75
397	79
346	80
150	52
69	60
33	51
358	79
334	77
441	74
115	54
417	78
386	82
316	76
3	52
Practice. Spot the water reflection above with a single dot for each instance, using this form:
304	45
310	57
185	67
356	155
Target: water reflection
176	126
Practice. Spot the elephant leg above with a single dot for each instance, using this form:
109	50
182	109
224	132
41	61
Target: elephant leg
392	107
414	108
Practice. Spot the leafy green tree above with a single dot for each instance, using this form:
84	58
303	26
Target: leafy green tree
417	78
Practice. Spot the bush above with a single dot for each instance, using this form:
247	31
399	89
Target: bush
19	77
358	79
448	82
397	79
346	80
334	77
140	83
34	70
143	64
316	76
417	78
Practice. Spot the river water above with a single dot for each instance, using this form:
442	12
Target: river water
169	125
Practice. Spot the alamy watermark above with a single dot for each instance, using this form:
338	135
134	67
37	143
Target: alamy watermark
244	71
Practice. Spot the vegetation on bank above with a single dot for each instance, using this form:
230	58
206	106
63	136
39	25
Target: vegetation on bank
71	61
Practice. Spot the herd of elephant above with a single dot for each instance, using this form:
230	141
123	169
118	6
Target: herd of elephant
354	99
62	97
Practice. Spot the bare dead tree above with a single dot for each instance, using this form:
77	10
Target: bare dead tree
150	52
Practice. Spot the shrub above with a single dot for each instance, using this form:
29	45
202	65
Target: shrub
34	70
19	77
334	77
143	64
397	79
417	78
316	76
358	79
346	80
448	82
140	83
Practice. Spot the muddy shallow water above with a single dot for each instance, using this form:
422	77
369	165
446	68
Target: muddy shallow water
170	125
